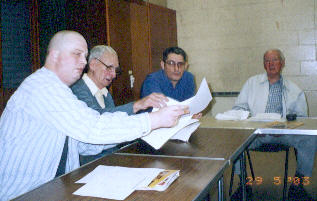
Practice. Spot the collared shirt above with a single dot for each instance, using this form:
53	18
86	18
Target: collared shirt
92	86
98	93
35	122
158	82
254	96
274	101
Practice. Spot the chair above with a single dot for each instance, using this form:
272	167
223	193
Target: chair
267	148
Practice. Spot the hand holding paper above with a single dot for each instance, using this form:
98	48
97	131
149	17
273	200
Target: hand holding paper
157	138
167	116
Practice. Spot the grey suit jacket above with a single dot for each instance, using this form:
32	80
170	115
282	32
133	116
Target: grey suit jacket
81	90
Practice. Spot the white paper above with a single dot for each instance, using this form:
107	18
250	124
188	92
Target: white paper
113	182
266	117
185	133
201	100
233	115
157	138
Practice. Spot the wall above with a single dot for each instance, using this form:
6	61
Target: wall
226	39
162	3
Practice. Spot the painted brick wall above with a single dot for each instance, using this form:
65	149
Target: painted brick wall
226	39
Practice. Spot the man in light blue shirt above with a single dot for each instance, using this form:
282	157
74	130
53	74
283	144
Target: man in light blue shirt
43	111
272	93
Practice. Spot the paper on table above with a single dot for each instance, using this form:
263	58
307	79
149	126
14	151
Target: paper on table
233	115
266	117
162	181
113	182
185	133
157	138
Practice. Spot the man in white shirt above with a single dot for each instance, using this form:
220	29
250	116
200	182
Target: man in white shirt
103	67
272	93
43	113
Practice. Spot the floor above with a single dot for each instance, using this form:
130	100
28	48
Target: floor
269	173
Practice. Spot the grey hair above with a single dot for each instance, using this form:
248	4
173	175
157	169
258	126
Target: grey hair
281	55
99	50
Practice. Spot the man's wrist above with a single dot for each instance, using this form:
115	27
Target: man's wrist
136	107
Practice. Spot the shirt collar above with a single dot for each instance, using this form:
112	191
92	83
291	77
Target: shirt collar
92	86
265	79
167	80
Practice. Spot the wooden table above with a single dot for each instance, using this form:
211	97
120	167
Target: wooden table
309	126
194	183
205	143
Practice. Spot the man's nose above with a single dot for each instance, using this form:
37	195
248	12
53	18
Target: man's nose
113	73
83	60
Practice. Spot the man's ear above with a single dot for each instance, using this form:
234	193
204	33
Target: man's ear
186	66
54	55
162	64
92	65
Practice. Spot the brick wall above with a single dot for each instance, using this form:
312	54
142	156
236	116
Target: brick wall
226	39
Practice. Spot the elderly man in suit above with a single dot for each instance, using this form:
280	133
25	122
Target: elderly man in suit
103	67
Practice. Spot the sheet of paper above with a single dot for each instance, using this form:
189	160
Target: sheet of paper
201	100
157	138
185	133
113	182
267	117
196	103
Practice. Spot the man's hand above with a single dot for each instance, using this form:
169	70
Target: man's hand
197	116
167	116
153	100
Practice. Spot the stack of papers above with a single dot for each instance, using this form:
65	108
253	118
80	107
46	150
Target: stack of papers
113	182
266	117
233	115
162	181
157	138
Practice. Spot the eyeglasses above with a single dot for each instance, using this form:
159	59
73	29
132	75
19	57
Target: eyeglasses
267	61
173	64
117	70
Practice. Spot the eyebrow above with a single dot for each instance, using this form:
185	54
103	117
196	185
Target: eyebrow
80	50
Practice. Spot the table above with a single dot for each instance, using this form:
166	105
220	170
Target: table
194	183
205	143
308	128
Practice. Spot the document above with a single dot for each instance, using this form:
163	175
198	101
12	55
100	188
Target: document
162	181
157	138
185	133
114	182
233	115
266	117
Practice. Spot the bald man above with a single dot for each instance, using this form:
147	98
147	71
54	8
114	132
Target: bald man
43	115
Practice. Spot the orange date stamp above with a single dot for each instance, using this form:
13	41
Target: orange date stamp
278	180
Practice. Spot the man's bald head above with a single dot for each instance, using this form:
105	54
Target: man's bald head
66	55
62	39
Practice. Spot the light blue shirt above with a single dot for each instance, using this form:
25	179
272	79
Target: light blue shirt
34	125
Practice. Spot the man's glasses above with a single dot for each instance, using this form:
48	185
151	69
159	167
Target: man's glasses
173	64
110	69
267	61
